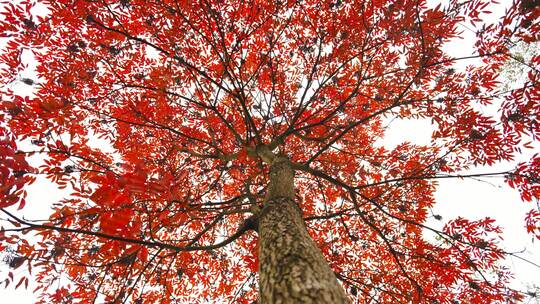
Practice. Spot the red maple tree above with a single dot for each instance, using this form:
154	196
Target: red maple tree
243	156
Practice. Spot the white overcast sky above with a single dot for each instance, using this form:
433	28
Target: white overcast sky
468	198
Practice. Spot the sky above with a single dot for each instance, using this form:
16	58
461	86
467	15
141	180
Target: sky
473	199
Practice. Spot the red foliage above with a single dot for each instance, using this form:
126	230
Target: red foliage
13	172
183	95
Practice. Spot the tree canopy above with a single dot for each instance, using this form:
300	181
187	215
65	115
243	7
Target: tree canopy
162	117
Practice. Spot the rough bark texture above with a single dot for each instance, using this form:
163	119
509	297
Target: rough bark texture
291	267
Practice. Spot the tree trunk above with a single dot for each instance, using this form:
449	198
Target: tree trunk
291	267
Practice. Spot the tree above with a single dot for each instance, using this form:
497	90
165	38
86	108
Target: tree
215	146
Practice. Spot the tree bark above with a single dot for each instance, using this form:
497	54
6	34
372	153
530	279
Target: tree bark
291	267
